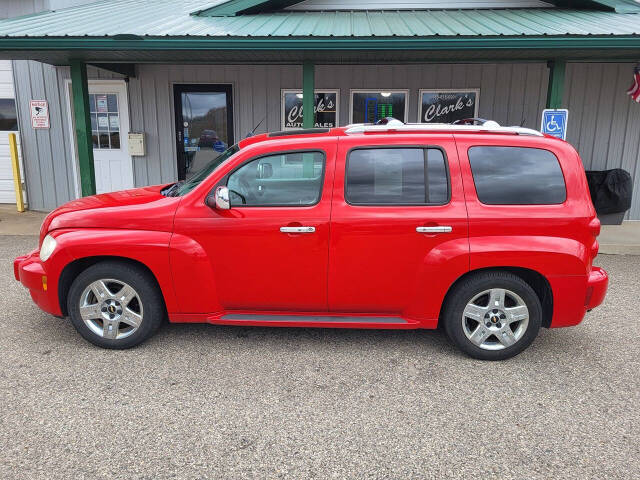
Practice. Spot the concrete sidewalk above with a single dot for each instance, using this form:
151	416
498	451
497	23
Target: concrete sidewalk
14	223
620	239
614	239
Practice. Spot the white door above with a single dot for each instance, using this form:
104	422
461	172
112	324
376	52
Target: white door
109	130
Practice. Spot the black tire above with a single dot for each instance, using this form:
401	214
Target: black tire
140	280
475	284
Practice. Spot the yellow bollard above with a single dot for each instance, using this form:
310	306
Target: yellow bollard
17	183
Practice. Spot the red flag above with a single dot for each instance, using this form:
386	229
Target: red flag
634	90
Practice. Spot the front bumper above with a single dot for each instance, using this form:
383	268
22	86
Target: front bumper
32	273
596	287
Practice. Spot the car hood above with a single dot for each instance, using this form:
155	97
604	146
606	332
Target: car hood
139	209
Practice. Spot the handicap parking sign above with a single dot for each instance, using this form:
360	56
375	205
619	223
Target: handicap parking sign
554	122
219	146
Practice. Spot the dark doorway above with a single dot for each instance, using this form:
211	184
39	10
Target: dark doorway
204	125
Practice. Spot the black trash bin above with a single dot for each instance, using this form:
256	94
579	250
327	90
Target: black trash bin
611	194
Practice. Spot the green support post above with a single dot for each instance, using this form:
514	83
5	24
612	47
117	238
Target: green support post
80	92
308	111
308	94
556	83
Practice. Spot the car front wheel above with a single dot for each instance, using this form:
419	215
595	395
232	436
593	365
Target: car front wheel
115	304
492	315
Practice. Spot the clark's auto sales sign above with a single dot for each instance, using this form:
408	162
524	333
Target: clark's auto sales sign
447	106
326	109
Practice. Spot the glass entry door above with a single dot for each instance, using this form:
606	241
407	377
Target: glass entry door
204	125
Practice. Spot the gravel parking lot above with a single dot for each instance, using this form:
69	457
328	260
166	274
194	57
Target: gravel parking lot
201	401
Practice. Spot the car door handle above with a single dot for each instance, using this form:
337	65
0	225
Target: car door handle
298	229
436	229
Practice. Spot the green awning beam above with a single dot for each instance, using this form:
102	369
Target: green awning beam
555	90
84	143
308	94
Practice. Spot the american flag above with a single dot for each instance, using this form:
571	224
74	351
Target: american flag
634	90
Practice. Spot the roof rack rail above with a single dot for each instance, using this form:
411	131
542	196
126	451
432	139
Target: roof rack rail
466	125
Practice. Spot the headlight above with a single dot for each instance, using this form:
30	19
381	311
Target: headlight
47	248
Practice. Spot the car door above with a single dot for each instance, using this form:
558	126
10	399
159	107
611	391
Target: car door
398	227
269	251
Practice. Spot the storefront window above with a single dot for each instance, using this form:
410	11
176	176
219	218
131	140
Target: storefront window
325	109
105	120
8	116
447	106
371	106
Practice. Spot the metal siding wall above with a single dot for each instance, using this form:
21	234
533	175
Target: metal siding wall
47	155
13	8
518	96
603	121
48	175
256	96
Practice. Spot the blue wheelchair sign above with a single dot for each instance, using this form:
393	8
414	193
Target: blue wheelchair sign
554	122
219	146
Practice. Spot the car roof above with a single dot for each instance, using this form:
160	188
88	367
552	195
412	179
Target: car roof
395	128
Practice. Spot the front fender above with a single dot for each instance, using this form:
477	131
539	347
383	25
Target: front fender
191	268
151	248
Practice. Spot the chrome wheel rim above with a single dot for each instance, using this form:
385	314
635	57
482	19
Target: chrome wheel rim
495	319
111	308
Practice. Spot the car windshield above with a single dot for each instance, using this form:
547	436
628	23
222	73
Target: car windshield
184	187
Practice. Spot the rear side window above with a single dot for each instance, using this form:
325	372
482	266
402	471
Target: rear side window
517	176
396	176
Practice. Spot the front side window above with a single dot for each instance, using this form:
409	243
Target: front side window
283	179
517	176
397	176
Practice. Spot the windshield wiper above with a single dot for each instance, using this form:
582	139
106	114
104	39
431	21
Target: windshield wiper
172	189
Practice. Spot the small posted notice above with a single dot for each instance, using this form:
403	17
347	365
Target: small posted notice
39	113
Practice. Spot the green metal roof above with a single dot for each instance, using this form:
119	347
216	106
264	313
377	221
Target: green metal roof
168	18
239	7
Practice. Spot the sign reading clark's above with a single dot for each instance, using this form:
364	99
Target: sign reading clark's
447	106
326	109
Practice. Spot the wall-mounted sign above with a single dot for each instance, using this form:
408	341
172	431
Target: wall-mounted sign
447	106
326	109
369	106
39	113
101	103
554	122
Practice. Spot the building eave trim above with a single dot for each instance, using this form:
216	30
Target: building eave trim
627	42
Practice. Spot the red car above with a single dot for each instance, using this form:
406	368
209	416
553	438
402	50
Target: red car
485	230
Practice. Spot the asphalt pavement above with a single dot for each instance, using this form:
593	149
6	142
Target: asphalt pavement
201	401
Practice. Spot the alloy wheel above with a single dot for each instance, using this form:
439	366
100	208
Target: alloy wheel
495	319
111	308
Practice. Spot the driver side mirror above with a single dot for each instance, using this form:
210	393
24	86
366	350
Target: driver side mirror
219	199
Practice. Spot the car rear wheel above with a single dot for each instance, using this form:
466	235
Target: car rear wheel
115	305
492	315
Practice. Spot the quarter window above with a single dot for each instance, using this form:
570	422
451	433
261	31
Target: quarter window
397	176
286	179
517	176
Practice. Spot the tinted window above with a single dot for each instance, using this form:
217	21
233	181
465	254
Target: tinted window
517	176
397	176
8	116
293	179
